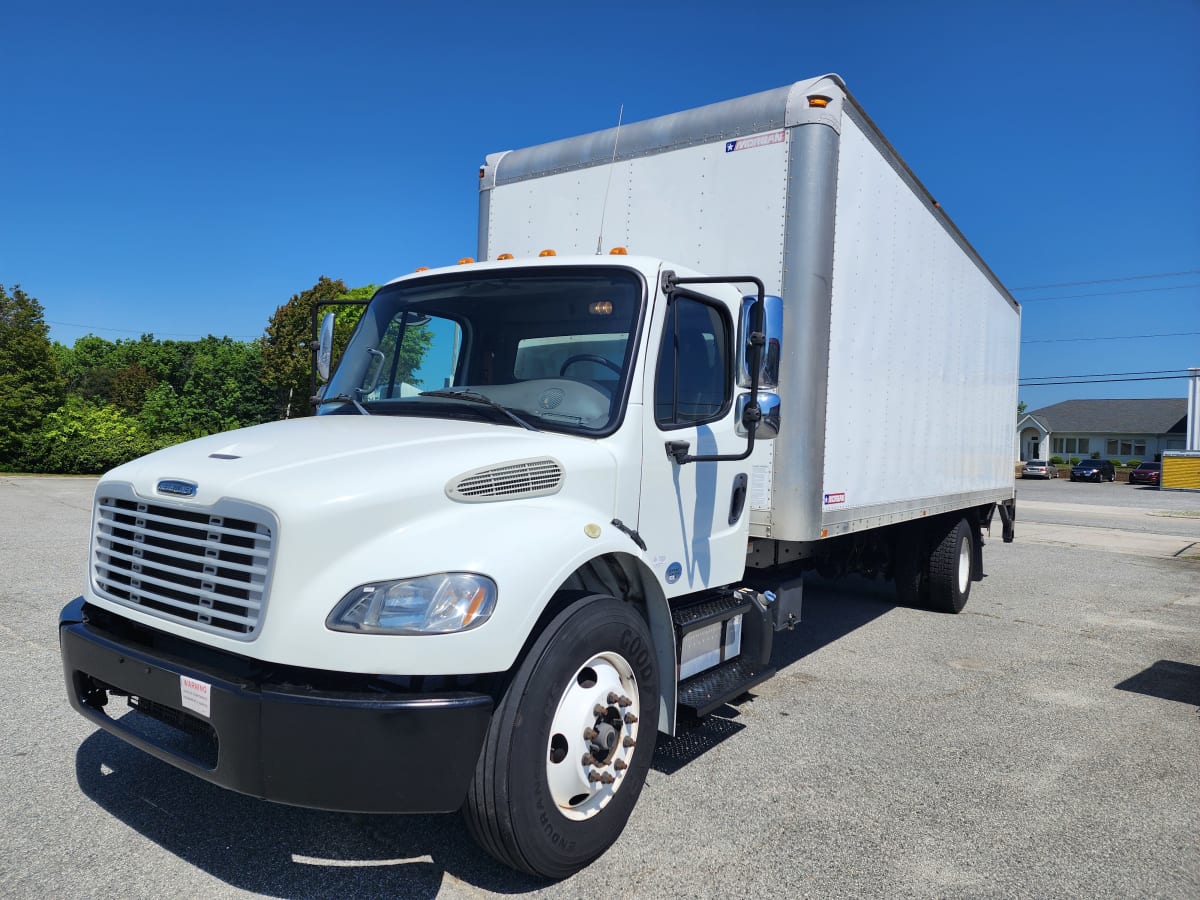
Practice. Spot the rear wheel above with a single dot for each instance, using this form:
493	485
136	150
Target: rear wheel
570	743
950	568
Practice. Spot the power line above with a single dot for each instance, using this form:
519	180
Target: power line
1178	287
1106	374
1039	287
1119	337
1105	380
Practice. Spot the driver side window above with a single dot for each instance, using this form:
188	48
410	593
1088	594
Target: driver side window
694	376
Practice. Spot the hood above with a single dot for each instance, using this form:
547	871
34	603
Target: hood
329	464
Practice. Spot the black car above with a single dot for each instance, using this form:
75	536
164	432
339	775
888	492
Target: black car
1146	473
1094	470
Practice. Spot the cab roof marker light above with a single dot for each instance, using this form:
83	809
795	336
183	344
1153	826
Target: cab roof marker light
421	269
547	253
466	261
505	256
618	251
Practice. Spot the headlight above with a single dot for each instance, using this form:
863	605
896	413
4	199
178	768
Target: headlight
431	604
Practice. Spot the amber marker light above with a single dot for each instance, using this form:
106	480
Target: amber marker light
601	308
618	251
473	609
421	269
505	256
466	260
818	102
547	253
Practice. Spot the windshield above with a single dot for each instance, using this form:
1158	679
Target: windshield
553	346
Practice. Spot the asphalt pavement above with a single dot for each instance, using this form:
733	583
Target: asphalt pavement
1044	743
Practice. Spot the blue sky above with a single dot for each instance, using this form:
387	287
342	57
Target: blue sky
184	169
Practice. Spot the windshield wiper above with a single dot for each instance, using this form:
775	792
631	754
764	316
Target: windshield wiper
342	398
476	397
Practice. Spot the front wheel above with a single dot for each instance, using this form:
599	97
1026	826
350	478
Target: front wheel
570	743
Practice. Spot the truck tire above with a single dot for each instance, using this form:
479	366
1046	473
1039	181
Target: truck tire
951	568
570	742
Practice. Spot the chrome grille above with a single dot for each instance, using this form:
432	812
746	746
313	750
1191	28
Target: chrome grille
194	566
528	478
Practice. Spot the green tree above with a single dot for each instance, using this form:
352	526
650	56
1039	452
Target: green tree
287	356
86	438
30	383
1021	408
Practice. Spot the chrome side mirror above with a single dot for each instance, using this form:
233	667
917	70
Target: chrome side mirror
325	347
768	425
772	328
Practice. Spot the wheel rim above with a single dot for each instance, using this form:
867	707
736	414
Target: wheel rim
964	565
592	736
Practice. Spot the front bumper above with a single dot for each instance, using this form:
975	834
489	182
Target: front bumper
350	744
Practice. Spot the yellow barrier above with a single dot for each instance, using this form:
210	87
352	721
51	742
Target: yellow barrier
1181	471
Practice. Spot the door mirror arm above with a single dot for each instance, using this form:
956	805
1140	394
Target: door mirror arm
678	450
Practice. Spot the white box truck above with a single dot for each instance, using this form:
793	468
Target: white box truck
556	498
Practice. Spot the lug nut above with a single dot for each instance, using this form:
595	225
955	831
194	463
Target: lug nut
628	742
630	719
620	765
612	698
607	778
588	759
623	701
599	710
589	733
594	776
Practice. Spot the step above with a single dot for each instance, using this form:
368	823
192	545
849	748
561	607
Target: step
711	689
714	608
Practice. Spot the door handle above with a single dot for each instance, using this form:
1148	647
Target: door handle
738	501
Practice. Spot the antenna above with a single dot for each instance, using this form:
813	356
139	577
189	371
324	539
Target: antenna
611	165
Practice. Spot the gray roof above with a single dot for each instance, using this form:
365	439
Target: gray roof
1144	417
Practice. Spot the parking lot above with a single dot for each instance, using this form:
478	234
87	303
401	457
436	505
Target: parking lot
1046	742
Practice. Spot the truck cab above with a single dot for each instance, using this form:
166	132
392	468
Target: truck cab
516	471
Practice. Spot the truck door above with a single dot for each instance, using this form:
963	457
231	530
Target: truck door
686	510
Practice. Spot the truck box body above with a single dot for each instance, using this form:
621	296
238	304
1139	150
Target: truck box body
899	373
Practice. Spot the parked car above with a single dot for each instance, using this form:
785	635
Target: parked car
1094	470
1146	473
1039	468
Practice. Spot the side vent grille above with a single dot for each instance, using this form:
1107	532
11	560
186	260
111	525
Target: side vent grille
515	481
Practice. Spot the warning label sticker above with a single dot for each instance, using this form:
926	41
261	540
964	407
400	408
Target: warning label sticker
195	695
831	499
758	140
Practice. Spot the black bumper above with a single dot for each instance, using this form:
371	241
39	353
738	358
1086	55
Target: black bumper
347	750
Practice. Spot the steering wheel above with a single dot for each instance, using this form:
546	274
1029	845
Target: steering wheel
588	357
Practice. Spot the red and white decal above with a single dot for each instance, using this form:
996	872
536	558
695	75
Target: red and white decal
196	695
831	499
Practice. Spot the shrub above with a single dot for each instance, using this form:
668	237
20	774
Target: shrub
1116	463
1056	460
1074	460
85	438
1134	463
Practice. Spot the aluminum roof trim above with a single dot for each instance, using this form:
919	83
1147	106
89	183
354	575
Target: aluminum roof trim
776	108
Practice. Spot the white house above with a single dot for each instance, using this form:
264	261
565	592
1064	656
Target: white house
1103	429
